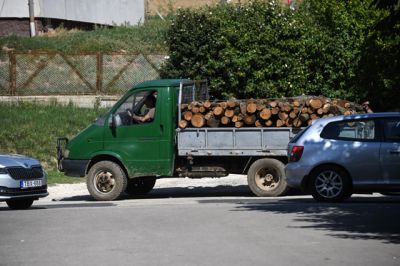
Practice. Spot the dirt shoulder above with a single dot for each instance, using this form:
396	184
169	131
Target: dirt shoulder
61	191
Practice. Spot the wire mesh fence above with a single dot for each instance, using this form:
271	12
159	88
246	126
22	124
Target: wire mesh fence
38	73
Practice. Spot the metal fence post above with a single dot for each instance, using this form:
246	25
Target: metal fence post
99	73
13	73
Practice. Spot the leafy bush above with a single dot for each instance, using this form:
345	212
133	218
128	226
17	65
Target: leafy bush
263	49
379	72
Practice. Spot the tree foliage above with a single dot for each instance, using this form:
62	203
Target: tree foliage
264	49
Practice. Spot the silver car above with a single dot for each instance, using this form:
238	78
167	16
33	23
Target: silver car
22	180
337	156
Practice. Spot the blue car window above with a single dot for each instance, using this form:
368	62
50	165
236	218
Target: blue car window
392	129
350	130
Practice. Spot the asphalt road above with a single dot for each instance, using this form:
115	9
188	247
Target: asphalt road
203	226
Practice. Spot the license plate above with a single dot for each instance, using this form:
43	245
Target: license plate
30	183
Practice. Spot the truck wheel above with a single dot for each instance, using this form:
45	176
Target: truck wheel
106	181
266	178
140	186
19	204
330	184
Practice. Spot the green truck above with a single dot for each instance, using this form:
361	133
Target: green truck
120	153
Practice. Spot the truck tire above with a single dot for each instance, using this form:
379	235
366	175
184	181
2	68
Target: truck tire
266	178
19	204
330	184
106	181
140	186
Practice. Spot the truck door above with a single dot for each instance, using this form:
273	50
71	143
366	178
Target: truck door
390	151
136	142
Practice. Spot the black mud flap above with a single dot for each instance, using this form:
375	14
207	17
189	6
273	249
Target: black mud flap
60	154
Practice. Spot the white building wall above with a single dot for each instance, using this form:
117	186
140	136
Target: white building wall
107	12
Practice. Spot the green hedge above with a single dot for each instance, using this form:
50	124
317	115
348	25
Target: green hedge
263	49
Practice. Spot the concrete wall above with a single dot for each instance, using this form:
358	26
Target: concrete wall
89	101
106	12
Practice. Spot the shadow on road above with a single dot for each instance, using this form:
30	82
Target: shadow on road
181	192
358	218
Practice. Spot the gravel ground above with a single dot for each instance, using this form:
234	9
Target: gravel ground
61	191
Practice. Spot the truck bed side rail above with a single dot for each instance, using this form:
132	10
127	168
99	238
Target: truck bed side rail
234	141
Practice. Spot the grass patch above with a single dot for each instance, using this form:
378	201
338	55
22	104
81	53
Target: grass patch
32	129
56	177
143	38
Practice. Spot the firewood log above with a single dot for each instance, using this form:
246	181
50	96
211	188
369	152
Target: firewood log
218	111
183	123
213	122
292	115
283	116
195	109
265	113
238	124
304	117
315	103
223	105
207	104
249	119
297	122
269	123
187	115
229	113
313	116
208	115
251	107
280	123
243	108
273	104
231	104
225	120
275	110
198	120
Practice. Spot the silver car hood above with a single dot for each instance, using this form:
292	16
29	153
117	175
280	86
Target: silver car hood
9	160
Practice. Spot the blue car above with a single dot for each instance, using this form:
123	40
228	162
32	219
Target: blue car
22	180
337	156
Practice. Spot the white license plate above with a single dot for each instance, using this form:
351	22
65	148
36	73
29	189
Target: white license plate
30	183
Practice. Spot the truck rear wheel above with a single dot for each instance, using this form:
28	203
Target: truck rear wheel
106	181
140	186
266	178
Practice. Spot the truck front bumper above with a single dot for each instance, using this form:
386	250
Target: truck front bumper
74	167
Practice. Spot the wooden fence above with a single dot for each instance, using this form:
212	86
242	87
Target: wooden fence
44	73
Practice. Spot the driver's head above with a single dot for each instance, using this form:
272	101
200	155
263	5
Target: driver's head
150	101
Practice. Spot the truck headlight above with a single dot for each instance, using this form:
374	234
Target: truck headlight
66	153
3	171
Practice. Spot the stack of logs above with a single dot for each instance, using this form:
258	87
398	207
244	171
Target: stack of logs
293	112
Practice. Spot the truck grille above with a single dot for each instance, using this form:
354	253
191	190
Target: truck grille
25	173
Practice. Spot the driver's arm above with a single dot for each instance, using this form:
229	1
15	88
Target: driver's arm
147	117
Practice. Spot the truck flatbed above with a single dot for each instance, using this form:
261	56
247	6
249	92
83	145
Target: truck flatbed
234	141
